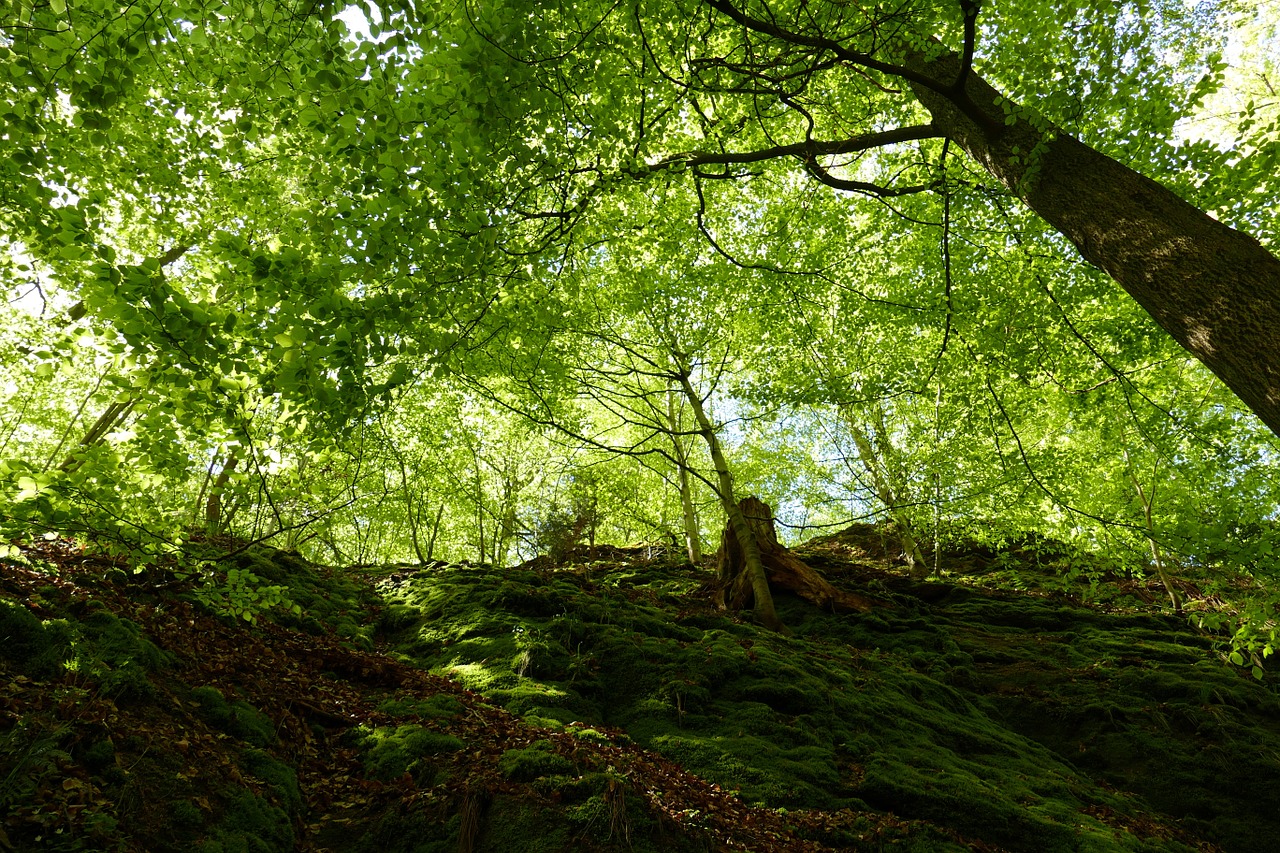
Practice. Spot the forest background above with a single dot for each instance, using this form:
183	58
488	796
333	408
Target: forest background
472	281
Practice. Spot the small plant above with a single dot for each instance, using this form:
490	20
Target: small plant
242	595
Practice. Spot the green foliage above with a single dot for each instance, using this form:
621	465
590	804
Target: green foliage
435	290
340	334
30	751
36	647
241	594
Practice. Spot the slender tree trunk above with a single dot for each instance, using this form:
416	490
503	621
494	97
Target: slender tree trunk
1147	499
114	414
887	491
754	567
75	419
435	530
479	507
688	512
1214	289
413	513
213	518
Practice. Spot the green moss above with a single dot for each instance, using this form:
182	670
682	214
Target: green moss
235	717
414	831
537	759
392	752
99	755
437	707
1013	720
281	778
398	618
249	824
185	816
37	648
120	642
327	598
513	824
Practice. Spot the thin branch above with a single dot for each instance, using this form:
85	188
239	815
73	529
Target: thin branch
863	186
953	91
970	9
865	60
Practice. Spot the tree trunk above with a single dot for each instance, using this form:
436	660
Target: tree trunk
213	517
1215	289
749	549
114	414
783	570
688	512
435	530
878	468
1146	498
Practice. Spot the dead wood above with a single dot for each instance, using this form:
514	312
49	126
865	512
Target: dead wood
784	570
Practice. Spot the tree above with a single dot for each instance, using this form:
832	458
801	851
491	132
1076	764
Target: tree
272	230
854	94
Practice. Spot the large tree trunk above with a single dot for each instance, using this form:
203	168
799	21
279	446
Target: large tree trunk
1215	289
783	569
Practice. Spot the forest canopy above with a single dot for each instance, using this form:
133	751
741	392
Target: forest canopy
474	280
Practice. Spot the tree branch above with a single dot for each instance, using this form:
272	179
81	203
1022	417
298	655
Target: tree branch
807	150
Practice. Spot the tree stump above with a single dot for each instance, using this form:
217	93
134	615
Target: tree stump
783	569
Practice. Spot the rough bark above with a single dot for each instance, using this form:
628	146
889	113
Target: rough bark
783	569
1214	289
752	564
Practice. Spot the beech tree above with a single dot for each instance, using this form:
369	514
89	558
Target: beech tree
282	215
851	94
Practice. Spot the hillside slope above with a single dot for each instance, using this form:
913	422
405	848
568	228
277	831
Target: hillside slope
604	704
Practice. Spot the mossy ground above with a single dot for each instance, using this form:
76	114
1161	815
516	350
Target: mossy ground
954	717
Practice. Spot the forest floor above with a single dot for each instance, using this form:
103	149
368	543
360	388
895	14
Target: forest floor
604	703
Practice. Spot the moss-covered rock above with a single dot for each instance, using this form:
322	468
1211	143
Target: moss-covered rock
390	752
235	716
976	711
534	761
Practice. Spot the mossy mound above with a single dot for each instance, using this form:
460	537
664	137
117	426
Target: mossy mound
1023	722
950	718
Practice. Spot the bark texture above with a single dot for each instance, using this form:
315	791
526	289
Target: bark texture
783	569
1215	289
736	526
